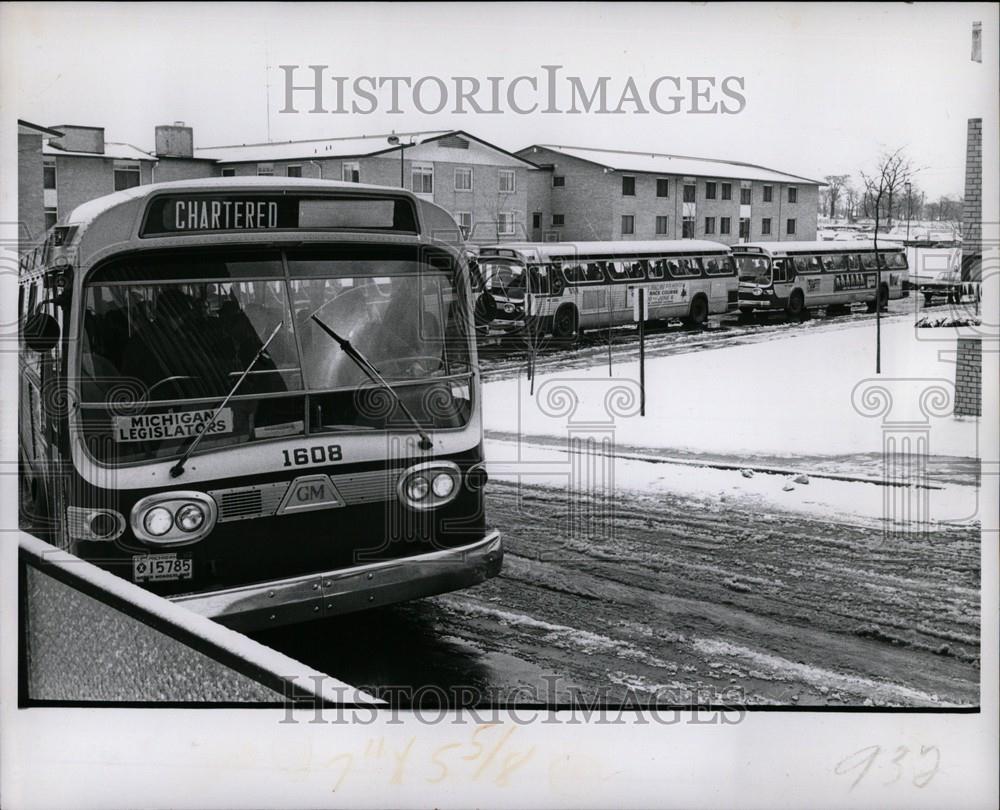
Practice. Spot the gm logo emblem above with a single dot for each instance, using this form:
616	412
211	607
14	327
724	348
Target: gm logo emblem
309	492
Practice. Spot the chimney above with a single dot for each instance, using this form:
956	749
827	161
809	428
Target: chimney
80	139
174	140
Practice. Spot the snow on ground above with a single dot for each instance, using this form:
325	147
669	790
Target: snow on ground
840	501
790	396
805	396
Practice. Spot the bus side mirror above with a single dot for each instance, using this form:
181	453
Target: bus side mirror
41	332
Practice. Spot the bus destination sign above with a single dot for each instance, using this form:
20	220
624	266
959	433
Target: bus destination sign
177	215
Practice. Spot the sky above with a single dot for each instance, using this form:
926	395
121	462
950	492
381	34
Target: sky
826	88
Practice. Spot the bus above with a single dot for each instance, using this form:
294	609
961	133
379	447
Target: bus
258	398
792	277
563	288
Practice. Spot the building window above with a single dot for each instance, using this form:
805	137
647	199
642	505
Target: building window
709	191
661	225
709	226
293	171
464	220
463	179
793	194
422	179
688	193
558	220
727	191
687	228
662	187
765	225
126	175
536	220
745	229
628	186
229	172
50	217
507	184
265	169
768	193
628	224
745	196
790	227
49	174
725	225
505	223
350	172
558	181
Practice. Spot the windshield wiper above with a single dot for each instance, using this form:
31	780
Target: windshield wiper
373	374
178	468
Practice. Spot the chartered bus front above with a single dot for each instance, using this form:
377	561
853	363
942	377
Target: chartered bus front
313	489
757	292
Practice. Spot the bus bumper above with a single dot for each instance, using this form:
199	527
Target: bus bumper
345	590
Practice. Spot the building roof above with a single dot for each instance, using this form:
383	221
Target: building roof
659	163
37	128
361	146
118	151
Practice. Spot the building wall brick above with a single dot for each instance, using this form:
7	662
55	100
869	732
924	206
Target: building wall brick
968	378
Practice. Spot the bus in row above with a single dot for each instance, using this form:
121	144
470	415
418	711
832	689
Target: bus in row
793	277
564	288
258	397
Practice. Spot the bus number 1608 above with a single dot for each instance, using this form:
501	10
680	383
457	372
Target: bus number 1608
319	454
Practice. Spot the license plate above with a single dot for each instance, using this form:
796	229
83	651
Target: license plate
161	567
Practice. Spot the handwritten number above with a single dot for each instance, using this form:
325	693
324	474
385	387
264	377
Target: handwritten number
901	752
920	780
848	763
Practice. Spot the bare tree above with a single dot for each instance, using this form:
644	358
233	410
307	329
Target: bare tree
850	202
892	171
835	185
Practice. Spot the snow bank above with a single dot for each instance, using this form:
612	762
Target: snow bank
858	503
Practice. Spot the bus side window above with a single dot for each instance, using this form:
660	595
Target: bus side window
868	261
658	269
637	270
616	270
853	263
594	271
778	270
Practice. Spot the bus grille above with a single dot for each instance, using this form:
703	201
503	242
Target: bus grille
241	503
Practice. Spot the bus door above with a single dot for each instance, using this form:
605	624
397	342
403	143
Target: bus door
782	277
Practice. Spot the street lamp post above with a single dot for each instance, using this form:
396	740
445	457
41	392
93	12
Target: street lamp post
908	187
394	141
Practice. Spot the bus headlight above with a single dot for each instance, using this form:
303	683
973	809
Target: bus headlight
430	485
417	488
158	521
173	518
443	485
190	517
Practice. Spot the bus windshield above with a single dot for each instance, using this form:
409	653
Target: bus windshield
173	335
506	279
756	269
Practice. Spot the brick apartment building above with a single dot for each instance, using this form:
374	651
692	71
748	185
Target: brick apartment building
538	193
606	194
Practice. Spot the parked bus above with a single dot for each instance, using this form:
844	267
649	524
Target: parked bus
563	288
258	398
793	277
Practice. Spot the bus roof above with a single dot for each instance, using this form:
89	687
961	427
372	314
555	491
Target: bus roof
815	247
550	250
116	219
